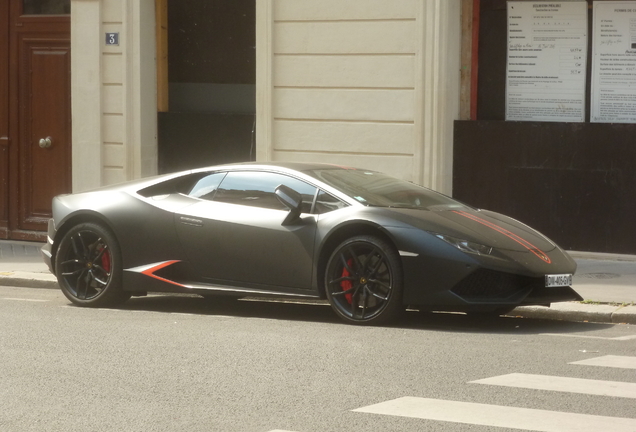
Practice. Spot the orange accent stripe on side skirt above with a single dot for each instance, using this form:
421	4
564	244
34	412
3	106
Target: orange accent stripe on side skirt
151	272
532	248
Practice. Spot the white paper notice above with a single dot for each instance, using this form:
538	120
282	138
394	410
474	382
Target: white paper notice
614	62
547	54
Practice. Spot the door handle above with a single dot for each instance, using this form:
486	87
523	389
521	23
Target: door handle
45	142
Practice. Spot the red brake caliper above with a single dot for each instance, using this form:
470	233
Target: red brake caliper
106	261
345	284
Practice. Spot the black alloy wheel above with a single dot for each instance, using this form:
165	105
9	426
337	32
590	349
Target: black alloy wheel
88	266
363	281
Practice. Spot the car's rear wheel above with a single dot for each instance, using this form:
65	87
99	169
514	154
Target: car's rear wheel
88	266
363	281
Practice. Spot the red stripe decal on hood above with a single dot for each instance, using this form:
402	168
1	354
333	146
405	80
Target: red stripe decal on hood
532	248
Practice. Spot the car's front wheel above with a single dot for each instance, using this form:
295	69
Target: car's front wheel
88	266
363	281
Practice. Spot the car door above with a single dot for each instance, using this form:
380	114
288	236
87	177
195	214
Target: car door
234	233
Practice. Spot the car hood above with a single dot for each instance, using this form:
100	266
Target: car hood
480	226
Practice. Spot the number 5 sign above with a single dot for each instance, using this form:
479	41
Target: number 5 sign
112	38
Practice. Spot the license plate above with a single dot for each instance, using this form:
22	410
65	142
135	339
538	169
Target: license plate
560	280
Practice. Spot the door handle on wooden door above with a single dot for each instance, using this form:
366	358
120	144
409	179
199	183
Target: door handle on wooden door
45	142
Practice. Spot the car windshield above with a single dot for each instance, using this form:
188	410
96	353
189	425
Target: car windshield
372	188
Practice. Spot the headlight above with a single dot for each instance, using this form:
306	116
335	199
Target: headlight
465	245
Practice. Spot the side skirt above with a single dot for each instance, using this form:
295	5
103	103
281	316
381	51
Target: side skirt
150	278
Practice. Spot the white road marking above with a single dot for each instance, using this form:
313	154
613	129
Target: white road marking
22	299
620	338
499	416
563	384
623	362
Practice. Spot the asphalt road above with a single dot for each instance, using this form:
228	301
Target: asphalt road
173	363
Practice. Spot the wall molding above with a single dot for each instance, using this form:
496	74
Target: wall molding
86	108
264	79
439	92
140	88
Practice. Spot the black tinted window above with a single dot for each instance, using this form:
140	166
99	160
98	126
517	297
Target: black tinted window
326	203
257	189
47	7
376	189
205	187
184	185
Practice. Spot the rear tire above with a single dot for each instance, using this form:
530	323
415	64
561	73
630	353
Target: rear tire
363	281
88	265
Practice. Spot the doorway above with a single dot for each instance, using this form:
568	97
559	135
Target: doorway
35	117
210	114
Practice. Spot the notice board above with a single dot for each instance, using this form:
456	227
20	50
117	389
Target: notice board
614	62
546	63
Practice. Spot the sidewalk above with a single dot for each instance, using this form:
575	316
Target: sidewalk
607	282
21	265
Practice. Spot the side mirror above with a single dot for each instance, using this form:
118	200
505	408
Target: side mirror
290	199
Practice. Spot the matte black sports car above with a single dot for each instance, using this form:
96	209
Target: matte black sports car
369	243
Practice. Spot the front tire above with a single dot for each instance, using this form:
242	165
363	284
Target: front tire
363	281
88	265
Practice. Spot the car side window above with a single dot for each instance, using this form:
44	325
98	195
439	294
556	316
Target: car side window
257	189
326	202
206	186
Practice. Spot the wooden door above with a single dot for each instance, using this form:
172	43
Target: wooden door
39	141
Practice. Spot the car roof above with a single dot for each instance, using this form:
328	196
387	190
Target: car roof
299	169
303	169
297	166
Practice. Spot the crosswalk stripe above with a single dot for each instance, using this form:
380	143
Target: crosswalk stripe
498	416
563	384
622	362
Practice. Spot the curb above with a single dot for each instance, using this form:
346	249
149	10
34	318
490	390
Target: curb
28	280
601	256
568	311
580	312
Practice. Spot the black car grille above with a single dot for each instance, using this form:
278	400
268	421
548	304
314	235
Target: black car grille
490	285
